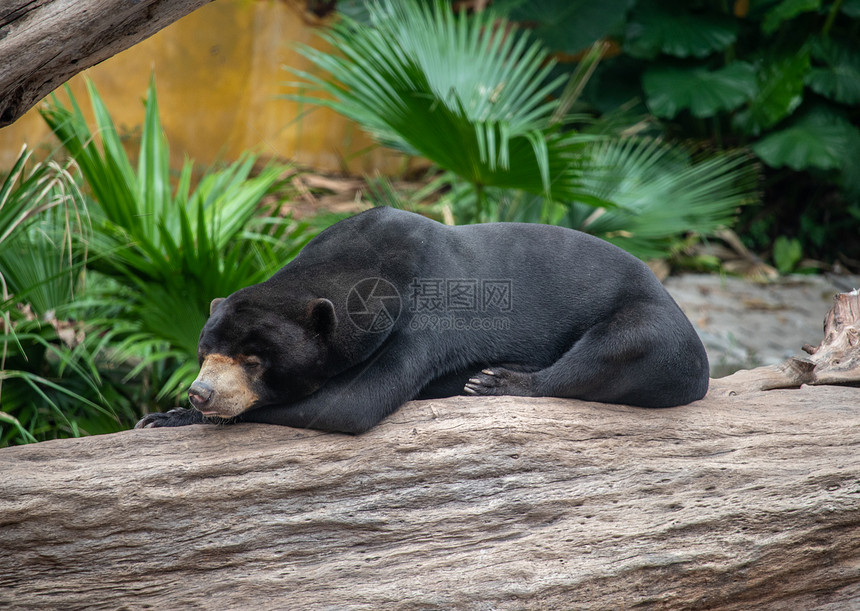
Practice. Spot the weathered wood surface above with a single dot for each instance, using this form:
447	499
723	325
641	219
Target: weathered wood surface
43	43
466	503
836	359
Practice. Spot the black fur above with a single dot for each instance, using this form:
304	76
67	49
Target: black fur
584	320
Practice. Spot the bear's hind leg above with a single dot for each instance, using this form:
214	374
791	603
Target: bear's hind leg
637	358
578	374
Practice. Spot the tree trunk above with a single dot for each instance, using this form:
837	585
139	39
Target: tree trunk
43	43
464	503
836	360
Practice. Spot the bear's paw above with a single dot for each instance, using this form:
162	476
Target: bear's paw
501	381
176	417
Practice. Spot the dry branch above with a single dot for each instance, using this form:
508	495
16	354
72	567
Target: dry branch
836	360
466	503
43	43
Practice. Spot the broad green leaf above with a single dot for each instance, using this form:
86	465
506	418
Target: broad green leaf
839	78
818	139
704	93
656	27
785	11
566	25
780	92
851	8
787	253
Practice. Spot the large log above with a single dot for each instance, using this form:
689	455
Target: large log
466	503
43	43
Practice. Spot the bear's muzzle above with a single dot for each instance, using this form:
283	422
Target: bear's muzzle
222	388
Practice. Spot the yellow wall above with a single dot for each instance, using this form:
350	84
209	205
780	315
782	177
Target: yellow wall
218	73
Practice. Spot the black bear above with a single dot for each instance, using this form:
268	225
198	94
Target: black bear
388	306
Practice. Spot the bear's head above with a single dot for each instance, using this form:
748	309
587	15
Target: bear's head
253	353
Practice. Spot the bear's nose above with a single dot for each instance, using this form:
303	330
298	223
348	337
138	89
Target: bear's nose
200	394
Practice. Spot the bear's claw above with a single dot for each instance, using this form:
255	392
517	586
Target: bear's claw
487	382
499	381
176	417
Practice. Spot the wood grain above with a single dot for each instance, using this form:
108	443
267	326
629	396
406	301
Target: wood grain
43	43
464	503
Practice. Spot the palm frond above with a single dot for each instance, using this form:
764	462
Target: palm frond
48	387
476	96
168	246
471	93
660	192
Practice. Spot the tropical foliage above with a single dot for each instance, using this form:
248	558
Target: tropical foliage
475	95
165	252
108	267
49	385
781	77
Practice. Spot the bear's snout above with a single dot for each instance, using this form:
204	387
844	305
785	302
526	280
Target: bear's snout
222	388
200	394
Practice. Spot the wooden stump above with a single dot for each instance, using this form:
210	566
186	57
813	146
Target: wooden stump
836	360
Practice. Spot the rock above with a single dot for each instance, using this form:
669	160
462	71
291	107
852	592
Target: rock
464	503
746	324
835	360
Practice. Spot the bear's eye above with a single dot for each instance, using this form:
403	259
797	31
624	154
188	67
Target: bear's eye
251	363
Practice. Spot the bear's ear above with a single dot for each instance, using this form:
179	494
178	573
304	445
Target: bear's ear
321	315
214	305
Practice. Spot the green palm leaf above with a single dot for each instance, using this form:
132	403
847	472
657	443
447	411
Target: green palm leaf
469	93
15	198
660	192
40	209
47	388
168	248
